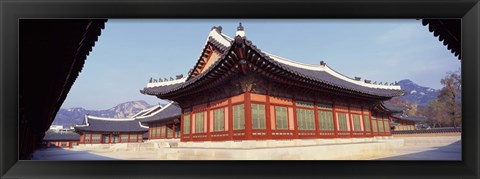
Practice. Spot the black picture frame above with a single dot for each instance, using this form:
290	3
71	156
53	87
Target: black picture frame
11	11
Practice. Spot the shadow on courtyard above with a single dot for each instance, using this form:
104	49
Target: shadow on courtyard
448	152
66	154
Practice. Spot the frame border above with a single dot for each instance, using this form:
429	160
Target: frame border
11	11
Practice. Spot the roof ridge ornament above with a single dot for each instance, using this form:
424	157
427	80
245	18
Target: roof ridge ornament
322	63
218	29
240	31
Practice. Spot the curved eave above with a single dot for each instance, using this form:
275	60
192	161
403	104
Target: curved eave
391	108
448	31
261	60
410	118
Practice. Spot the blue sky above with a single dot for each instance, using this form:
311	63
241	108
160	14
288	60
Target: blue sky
129	52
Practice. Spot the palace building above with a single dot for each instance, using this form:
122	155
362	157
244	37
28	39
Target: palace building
61	140
406	122
164	124
98	130
236	91
157	122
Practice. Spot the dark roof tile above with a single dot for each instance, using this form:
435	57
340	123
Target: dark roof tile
60	136
111	125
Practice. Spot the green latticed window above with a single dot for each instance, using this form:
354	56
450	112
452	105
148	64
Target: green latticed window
281	118
186	124
169	132
366	119
96	138
238	117
374	125
219	119
305	119
325	119
157	131
124	138
380	126
199	122
387	126
342	121
162	133
87	138
357	126
258	116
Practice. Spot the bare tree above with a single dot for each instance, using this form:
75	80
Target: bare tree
450	96
411	106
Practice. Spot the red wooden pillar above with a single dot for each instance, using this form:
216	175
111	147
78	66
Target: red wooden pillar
173	131
335	122
315	117
191	121
230	119
364	132
350	120
388	123
209	118
268	118
165	131
295	122
182	123
248	116
371	122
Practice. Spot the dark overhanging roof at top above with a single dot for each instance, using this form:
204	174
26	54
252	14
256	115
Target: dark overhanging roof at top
53	52
309	74
449	31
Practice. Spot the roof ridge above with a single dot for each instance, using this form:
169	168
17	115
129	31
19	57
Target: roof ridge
152	114
109	119
165	83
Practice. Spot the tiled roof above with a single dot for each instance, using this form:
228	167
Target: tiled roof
410	118
394	108
319	74
97	124
170	111
60	136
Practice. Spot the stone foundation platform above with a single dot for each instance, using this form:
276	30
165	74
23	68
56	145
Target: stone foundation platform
298	149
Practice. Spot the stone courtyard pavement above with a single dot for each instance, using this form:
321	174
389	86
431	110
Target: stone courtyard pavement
426	148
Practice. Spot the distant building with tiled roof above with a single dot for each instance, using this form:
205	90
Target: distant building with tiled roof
164	123
236	91
407	122
63	140
96	130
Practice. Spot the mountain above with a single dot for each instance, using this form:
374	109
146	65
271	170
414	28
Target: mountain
72	116
415	93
